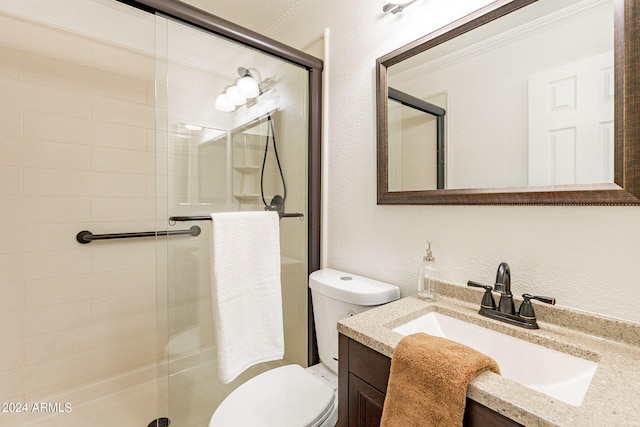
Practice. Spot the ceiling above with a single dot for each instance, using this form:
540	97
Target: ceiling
262	16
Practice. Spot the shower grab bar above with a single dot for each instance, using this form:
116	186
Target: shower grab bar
208	217
85	236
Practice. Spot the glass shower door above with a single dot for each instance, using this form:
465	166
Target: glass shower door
214	161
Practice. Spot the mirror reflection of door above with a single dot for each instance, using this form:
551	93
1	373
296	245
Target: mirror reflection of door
416	151
571	123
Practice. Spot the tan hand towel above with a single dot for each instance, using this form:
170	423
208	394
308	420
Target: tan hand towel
428	381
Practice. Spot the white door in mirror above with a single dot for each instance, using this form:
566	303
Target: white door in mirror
571	135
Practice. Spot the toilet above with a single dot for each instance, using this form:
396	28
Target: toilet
290	395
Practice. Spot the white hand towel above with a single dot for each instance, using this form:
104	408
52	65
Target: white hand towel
246	290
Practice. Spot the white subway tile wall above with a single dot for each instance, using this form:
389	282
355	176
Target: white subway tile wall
77	151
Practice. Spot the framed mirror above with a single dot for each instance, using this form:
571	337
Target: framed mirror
539	103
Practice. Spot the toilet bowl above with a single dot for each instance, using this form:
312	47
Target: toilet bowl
290	395
284	396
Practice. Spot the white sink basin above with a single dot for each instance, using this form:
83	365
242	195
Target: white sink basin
556	374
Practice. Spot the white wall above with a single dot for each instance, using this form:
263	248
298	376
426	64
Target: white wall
586	257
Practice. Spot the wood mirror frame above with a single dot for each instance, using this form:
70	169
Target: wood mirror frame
625	190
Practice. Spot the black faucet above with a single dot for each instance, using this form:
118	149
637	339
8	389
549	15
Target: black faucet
506	309
503	285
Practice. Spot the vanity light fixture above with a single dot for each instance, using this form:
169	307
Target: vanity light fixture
223	103
396	7
234	96
247	85
244	89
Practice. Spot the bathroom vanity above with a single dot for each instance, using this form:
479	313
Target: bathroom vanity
365	372
609	397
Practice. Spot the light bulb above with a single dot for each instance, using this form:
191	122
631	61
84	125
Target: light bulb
234	96
248	87
223	103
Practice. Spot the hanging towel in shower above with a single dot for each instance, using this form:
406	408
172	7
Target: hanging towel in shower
246	290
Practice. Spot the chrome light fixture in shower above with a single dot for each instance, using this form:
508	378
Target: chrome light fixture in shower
244	89
396	7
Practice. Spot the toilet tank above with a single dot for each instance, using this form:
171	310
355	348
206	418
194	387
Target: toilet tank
336	295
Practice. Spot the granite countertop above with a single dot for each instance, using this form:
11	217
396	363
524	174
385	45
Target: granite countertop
612	397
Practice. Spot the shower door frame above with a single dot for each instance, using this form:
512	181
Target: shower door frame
227	29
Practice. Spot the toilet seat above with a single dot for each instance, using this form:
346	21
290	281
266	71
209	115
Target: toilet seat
287	396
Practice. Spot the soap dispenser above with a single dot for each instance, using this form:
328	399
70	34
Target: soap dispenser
427	276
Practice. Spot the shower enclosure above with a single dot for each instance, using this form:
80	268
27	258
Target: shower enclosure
108	124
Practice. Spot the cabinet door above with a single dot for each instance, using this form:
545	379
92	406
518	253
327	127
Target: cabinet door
477	415
365	404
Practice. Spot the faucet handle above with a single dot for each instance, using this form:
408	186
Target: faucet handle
487	298
526	309
548	300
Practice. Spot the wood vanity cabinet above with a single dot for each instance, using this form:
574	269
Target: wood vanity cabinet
362	384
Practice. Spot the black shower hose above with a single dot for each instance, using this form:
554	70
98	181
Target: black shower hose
271	132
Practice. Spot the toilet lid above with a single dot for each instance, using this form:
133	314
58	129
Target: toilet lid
287	396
